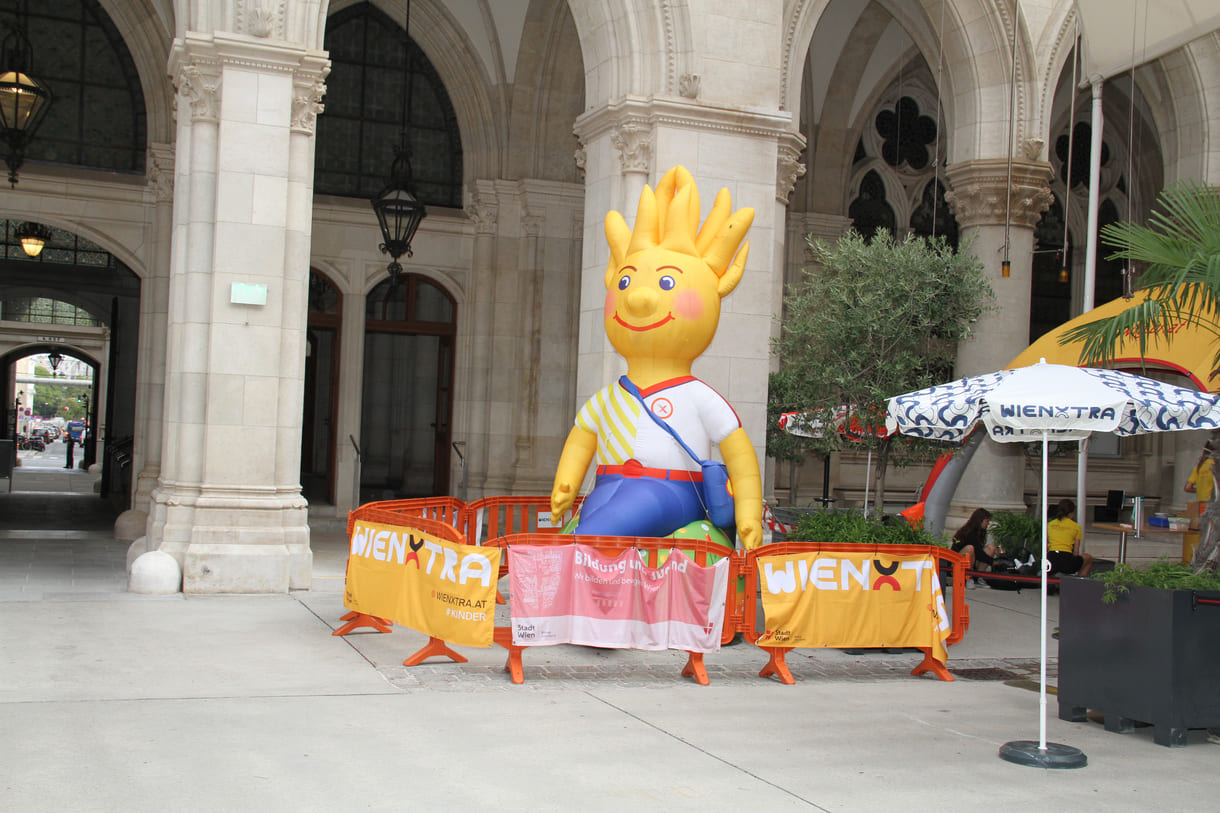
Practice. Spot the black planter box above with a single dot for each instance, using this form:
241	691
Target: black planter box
1151	657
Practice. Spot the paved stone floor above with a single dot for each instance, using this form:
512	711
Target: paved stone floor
116	701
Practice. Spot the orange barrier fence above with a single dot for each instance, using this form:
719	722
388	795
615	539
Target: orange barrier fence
491	517
435	516
448	510
959	614
479	520
701	550
505	521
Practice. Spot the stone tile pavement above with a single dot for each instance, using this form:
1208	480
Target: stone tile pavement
112	701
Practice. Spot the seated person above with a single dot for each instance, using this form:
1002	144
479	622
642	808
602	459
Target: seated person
971	540
1063	538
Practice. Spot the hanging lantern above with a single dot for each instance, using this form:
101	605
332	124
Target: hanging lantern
33	237
398	211
24	100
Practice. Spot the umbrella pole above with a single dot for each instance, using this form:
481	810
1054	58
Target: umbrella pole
1082	497
1042	627
1026	752
868	480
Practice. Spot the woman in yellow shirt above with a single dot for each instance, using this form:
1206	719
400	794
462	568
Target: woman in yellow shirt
1063	538
1202	482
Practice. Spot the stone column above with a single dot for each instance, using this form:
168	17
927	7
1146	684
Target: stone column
529	352
228	505
817	225
983	194
475	414
820	226
351	381
154	307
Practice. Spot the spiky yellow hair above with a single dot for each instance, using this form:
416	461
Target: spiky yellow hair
669	218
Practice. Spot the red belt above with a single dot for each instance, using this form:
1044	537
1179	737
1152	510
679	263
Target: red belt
634	468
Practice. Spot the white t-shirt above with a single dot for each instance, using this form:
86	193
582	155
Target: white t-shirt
698	413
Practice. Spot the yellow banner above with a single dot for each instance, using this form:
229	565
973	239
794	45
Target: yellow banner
848	600
423	582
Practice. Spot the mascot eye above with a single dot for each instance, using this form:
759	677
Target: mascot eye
666	282
623	282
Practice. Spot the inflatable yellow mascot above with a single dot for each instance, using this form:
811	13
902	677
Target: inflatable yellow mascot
653	429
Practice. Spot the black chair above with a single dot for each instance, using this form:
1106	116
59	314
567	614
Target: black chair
1112	509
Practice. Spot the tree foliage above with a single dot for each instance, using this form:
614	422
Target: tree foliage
880	317
1180	249
58	400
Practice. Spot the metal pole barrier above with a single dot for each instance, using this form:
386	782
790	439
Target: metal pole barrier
458	445
356	477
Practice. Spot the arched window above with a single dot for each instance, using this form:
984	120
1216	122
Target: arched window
97	117
414	302
44	310
870	211
63	248
1050	303
364	112
1081	144
933	215
906	135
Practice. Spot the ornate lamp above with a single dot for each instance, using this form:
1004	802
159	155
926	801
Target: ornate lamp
398	211
24	100
32	236
54	358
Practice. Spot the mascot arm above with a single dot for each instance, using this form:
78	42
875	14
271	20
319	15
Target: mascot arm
742	463
578	451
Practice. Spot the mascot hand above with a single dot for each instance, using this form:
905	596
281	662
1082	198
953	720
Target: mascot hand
750	533
574	461
562	498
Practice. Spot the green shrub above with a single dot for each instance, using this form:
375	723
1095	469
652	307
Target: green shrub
852	528
1164	572
1012	531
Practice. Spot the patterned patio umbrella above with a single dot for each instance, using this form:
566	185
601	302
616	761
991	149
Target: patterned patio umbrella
1045	401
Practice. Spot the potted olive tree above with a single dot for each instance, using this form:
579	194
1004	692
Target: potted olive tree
1140	645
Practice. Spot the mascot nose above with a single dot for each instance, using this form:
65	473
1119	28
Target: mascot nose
642	302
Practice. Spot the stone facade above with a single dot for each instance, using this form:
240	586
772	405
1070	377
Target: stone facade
566	110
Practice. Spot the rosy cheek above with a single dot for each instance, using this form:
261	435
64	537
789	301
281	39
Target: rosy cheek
688	305
609	309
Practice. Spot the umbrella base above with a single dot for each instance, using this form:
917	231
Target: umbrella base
1027	752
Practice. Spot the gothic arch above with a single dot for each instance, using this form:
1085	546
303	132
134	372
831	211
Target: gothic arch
1197	151
148	42
974	135
479	112
339	277
1056	50
642	45
101	236
548	95
441	280
985	41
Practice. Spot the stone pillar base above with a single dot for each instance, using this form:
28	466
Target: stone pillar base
236	543
241	568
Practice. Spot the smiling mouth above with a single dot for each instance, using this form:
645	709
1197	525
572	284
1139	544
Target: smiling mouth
668	318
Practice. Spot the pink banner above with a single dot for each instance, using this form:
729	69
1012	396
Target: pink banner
571	594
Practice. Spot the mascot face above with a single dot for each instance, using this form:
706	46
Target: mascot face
662	304
666	276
